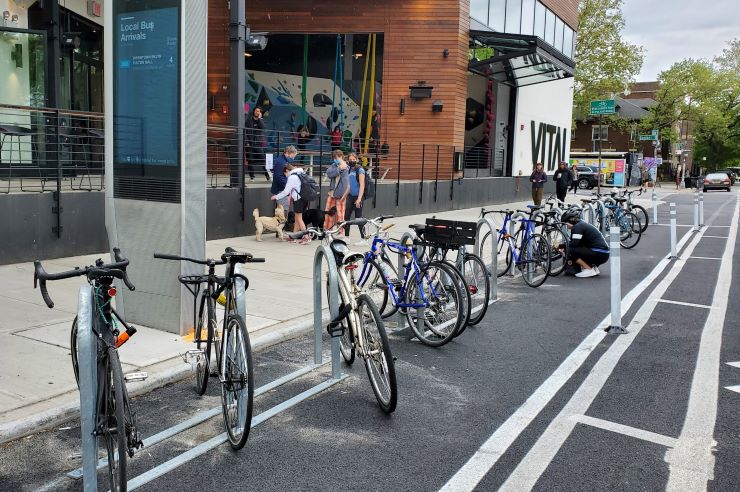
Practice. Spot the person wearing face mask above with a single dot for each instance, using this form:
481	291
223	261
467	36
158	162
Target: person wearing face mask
254	150
279	179
338	174
356	192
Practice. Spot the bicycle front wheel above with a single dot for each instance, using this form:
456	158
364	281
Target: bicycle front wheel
641	215
112	422
207	322
503	257
237	389
478	284
379	363
558	250
73	351
534	262
630	230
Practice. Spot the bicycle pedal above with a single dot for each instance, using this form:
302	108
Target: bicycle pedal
192	356
335	329
135	376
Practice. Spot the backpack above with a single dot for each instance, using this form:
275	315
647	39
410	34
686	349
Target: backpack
309	188
369	187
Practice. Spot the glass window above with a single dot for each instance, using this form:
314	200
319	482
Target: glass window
604	132
539	20
498	15
513	16
558	34
528	16
22	68
568	42
550	27
479	10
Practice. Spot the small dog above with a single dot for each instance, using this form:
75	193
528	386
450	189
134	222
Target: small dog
270	224
315	218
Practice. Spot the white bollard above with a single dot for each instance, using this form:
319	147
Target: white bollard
701	207
673	231
655	208
696	211
616	282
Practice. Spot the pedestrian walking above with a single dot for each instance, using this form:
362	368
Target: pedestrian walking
338	174
574	184
538	178
356	192
279	179
254	149
563	179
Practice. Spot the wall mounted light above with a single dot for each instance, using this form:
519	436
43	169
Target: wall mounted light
14	18
403	105
437	106
213	103
16	54
446	53
6	16
421	90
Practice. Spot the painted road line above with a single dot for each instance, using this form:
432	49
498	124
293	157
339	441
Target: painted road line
704	257
539	457
736	389
496	445
626	430
689	304
734	364
717	237
691	462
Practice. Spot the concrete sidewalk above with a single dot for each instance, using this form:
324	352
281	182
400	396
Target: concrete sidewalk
37	386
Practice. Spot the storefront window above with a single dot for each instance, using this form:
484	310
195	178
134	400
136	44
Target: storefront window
513	16
22	68
528	16
497	18
539	20
559	34
550	27
568	42
479	10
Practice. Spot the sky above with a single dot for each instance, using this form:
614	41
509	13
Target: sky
672	30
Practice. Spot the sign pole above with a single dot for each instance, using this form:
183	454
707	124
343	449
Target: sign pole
598	176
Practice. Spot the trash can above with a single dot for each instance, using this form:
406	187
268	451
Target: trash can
690	181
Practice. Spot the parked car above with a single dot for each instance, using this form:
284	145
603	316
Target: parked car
732	174
586	177
717	181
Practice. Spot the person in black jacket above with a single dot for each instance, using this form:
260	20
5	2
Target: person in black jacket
563	179
254	151
587	247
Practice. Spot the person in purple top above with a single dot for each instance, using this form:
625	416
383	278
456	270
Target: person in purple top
538	178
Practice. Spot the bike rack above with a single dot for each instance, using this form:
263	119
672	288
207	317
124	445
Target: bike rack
400	318
88	374
90	461
486	221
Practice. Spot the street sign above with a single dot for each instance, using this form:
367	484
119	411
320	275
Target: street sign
604	106
653	136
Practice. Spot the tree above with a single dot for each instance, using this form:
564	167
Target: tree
605	62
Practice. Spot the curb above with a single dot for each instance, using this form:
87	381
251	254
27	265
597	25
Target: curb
48	419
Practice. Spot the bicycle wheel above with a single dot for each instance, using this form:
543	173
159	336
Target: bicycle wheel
558	250
379	362
347	340
503	258
630	230
111	421
376	286
642	215
237	390
73	351
464	298
478	284
207	321
534	260
443	312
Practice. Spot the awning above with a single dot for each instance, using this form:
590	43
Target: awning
519	60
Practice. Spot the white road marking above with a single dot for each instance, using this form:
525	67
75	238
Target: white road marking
691	462
736	389
626	430
530	469
689	304
496	445
717	237
704	257
688	225
734	364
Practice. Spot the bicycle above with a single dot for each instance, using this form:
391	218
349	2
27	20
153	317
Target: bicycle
630	229
234	365
115	419
425	287
366	335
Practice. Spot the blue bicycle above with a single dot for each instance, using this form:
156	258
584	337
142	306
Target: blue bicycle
428	294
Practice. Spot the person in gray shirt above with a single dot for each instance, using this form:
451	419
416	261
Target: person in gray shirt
338	174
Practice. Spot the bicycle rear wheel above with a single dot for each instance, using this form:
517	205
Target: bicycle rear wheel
503	260
237	389
558	250
378	358
478	285
347	340
534	262
73	351
207	321
630	230
112	421
444	311
465	296
642	215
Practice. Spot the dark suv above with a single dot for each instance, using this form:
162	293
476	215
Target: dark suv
586	177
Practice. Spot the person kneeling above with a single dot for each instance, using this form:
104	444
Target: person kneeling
587	248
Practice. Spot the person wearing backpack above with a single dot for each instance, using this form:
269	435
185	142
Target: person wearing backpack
356	193
338	174
293	190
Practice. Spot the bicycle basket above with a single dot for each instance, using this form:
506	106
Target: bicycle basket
450	232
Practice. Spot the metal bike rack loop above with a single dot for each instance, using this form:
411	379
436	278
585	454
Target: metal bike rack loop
88	377
487	222
323	252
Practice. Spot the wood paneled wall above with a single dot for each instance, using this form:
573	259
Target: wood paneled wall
566	10
218	60
416	32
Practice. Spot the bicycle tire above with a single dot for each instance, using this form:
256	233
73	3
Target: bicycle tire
502	265
377	288
536	251
630	230
238	353
642	215
113	405
558	257
203	364
465	297
379	364
439	299
347	340
73	352
478	272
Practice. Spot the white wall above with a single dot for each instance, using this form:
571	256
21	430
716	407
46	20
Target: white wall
80	7
550	103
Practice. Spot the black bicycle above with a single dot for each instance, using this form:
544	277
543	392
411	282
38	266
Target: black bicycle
233	350
115	419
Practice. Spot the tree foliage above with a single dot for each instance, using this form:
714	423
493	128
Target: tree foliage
605	62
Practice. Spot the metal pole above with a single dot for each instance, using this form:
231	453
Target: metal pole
398	174
238	34
323	252
616	285
400	267
696	211
673	230
598	175
494	253
701	207
421	182
655	208
436	176
87	356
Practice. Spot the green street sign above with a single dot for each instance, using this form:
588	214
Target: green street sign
604	106
653	136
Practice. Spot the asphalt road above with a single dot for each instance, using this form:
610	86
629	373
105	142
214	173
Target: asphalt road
535	397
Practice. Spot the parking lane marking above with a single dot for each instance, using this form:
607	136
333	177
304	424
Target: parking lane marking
704	257
717	237
626	430
736	389
689	304
734	364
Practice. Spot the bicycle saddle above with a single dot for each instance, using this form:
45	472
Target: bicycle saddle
235	256
586	200
620	199
418	228
534	207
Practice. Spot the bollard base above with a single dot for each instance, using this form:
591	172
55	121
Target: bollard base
615	330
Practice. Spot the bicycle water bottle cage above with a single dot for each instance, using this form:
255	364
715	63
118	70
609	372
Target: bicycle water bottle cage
336	327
